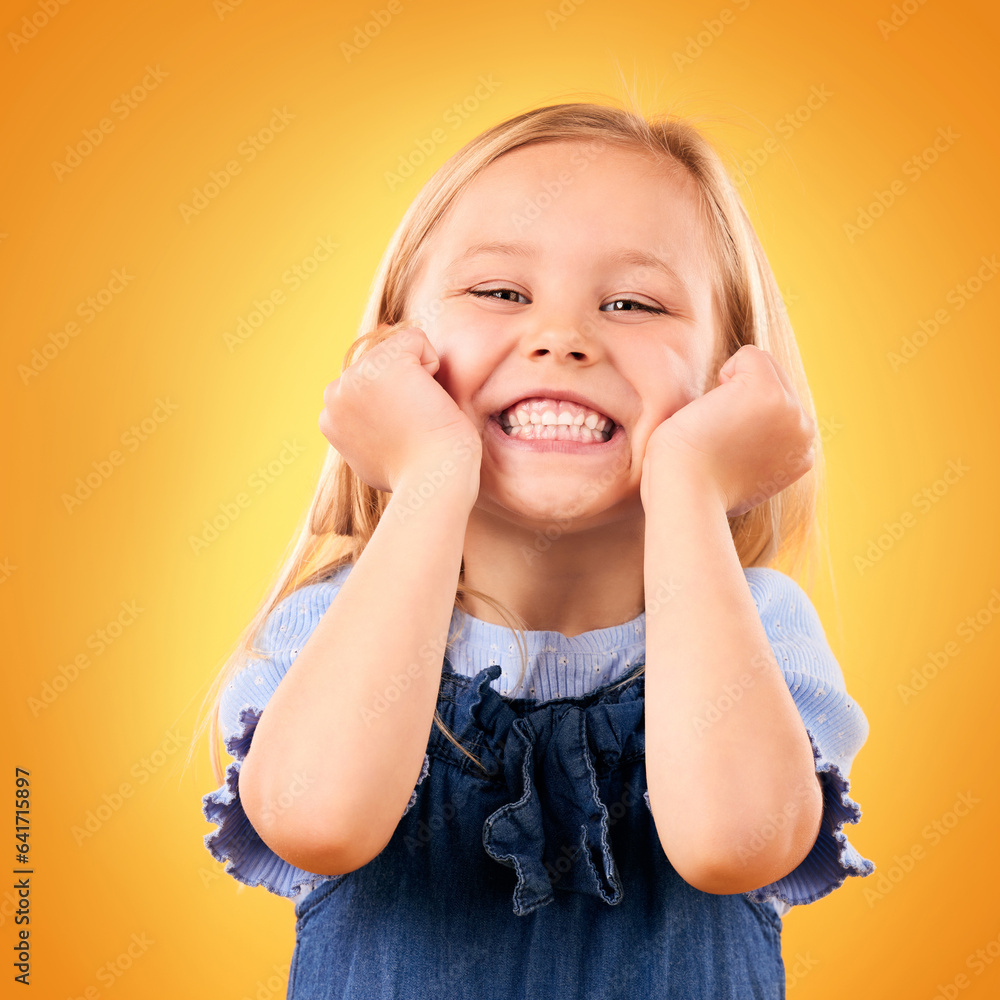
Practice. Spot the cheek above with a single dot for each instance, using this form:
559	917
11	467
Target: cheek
466	360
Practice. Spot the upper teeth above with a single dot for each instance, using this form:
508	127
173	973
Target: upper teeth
554	411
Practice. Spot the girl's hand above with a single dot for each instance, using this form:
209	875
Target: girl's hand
389	418
747	438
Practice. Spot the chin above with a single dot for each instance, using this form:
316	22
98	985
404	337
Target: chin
552	511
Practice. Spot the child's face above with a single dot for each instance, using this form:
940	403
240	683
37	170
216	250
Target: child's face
569	320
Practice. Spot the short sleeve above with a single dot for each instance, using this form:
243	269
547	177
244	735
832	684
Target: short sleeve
241	705
836	726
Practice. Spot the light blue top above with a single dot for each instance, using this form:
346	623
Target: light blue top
562	667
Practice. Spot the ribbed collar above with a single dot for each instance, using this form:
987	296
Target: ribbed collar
558	666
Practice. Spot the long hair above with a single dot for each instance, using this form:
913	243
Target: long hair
344	511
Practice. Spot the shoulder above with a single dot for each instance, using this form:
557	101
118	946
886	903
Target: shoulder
769	585
274	649
295	616
792	625
781	602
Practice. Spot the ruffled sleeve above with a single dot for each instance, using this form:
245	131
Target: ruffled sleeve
836	726
235	840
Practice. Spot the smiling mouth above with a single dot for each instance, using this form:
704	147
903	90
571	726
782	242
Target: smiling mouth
538	419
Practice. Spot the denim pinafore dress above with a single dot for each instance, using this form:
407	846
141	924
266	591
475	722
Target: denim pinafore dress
540	873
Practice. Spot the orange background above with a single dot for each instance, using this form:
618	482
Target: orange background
216	412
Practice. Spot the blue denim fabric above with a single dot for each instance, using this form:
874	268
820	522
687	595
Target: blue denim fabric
540	877
543	875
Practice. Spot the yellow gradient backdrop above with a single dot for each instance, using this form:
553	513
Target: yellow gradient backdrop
871	153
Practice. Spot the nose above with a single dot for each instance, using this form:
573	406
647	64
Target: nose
565	341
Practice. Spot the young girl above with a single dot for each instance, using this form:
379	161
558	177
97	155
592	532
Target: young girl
528	713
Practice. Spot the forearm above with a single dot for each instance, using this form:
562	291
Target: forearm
728	759
340	716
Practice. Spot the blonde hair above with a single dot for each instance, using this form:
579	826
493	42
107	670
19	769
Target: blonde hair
344	511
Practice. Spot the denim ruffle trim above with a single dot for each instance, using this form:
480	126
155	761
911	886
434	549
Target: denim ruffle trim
556	746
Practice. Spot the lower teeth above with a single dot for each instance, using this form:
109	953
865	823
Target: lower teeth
556	432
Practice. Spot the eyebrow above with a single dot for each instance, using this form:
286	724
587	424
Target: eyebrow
518	248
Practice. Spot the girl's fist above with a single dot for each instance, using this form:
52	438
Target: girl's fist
749	436
388	416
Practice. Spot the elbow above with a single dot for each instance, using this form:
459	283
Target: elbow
317	852
724	878
313	842
741	859
300	829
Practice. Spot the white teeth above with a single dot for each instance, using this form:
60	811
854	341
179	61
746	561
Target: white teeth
544	415
555	432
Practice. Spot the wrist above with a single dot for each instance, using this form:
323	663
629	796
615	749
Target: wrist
448	478
669	476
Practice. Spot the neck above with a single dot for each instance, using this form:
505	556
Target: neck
576	582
